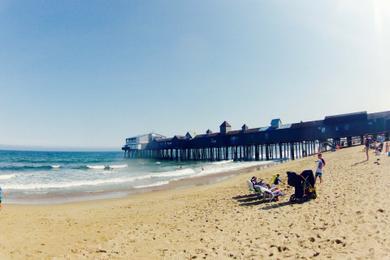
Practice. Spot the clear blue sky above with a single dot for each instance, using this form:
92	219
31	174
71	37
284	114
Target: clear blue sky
90	73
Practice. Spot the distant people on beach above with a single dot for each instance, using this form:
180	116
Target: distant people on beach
320	167
378	148
367	146
382	140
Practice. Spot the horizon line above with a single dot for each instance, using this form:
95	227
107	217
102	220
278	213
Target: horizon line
49	148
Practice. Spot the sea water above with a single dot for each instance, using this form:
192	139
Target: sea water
34	176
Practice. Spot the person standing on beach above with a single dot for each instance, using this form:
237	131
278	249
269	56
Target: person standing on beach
320	167
367	147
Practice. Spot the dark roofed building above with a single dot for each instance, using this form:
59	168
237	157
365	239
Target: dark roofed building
188	135
179	137
225	127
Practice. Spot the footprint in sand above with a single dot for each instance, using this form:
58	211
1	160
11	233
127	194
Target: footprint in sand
340	242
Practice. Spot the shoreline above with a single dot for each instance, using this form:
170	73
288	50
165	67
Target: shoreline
216	221
120	193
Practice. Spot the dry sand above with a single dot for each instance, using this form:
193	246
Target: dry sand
350	219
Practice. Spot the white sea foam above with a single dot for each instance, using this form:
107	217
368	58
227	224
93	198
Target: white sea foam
152	178
61	185
96	167
7	176
160	183
55	166
222	162
119	166
73	184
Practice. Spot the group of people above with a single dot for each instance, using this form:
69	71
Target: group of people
273	187
376	144
275	181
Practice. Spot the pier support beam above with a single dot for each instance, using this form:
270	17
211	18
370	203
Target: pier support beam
349	141
292	154
257	156
280	151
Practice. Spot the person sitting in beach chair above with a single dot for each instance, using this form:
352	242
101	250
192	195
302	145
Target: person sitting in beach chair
255	182
272	193
262	183
254	186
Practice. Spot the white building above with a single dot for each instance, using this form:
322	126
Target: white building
139	142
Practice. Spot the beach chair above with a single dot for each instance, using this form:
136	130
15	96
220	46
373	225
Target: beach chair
267	193
254	190
264	192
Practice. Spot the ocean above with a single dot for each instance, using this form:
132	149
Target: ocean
34	177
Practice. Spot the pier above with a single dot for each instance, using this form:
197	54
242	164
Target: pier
274	142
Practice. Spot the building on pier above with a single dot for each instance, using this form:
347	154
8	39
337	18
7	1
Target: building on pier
276	141
134	145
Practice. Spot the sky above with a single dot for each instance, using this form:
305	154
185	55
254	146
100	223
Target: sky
88	74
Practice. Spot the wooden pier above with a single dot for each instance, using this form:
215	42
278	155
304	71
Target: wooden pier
275	142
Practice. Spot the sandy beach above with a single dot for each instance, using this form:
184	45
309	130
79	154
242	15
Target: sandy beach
349	219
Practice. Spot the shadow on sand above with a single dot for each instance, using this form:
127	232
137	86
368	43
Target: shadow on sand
355	164
245	196
255	199
254	203
250	200
276	205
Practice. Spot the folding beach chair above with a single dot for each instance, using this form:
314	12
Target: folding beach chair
267	193
253	189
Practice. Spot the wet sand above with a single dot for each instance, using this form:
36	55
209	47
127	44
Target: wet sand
350	219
